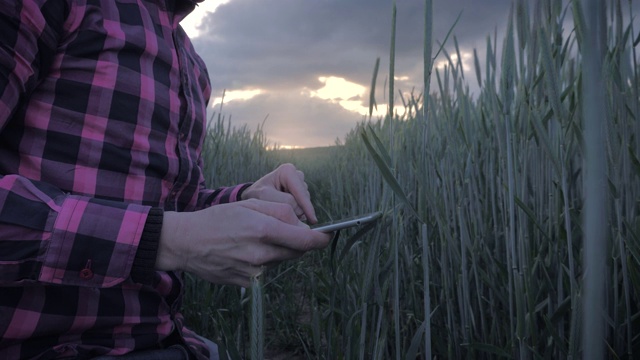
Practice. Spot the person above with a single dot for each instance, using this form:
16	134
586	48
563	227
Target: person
102	198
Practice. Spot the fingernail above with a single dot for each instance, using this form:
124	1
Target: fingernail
300	223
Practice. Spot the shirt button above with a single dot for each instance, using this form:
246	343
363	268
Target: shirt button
86	274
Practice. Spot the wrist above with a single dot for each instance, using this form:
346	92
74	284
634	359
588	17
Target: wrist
169	254
242	192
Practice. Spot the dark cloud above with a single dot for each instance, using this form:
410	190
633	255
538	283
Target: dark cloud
283	46
280	43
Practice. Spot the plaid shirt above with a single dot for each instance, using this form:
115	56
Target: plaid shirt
102	116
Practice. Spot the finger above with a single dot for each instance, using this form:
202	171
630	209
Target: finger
282	228
301	176
287	198
274	209
284	198
303	200
292	180
297	238
268	255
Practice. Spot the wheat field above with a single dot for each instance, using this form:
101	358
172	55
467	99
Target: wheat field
512	215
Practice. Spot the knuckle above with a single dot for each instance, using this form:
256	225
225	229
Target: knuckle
253	201
257	258
289	199
286	210
264	229
288	167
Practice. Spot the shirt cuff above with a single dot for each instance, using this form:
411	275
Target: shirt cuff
242	189
143	268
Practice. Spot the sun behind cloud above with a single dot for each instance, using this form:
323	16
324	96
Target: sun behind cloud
467	60
347	94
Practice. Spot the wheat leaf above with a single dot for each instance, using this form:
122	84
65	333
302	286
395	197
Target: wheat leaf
412	353
372	93
388	175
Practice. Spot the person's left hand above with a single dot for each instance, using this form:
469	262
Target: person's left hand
284	185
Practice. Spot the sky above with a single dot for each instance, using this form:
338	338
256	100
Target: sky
304	67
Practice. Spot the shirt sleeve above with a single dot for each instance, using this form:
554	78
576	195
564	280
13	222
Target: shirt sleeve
47	235
222	195
30	30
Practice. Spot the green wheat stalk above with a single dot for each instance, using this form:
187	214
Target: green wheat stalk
257	318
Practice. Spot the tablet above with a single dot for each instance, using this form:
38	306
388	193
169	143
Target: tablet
347	222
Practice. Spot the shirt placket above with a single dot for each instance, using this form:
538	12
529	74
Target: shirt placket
184	125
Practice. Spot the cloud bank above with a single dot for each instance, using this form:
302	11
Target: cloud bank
286	50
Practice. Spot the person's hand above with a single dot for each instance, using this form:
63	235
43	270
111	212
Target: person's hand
230	243
284	185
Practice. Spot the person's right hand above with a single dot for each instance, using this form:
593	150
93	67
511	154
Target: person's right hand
230	243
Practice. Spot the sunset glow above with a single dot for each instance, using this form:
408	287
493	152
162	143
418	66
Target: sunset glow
232	95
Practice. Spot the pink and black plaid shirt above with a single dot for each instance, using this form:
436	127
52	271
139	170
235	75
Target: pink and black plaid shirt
102	116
